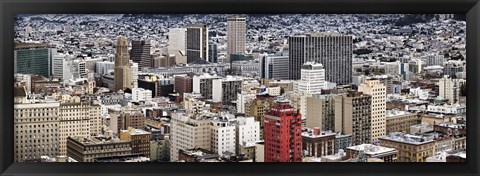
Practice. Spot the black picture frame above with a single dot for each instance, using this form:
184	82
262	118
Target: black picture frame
9	8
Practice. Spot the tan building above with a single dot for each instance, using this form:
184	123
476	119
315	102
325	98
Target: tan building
411	148
434	119
123	69
78	119
87	149
139	140
353	116
36	130
321	110
400	121
188	133
378	91
236	34
257	109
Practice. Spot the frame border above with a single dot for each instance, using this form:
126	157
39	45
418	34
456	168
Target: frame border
9	8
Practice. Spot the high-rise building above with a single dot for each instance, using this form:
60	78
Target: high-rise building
353	116
283	129
183	84
33	58
203	84
123	70
378	91
80	119
449	89
257	109
321	112
213	53
134	74
226	89
332	50
36	130
188	133
236	34
139	140
312	78
176	44
61	66
140	53
247	132
274	67
197	42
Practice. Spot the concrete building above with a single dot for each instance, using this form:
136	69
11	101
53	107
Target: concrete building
243	100
225	90
123	70
312	79
203	84
139	140
197	42
411	148
318	143
140	53
223	136
378	92
400	121
176	44
140	94
283	141
449	89
353	116
259	152
213	53
342	141
61	66
88	149
321	111
188	133
236	36
372	151
274	67
247	133
130	118
332	50
36	130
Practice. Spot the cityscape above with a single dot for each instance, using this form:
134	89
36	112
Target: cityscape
240	88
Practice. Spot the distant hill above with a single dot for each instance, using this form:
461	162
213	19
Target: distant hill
410	19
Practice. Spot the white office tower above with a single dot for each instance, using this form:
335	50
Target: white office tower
176	44
134	74
236	34
62	64
225	90
449	89
140	94
378	91
248	131
312	78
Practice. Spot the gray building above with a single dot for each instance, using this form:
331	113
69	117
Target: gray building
197	42
140	53
342	141
212	53
274	67
332	50
33	58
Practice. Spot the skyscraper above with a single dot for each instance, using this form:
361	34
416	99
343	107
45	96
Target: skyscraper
332	50
33	58
236	33
353	116
176	43
283	134
212	53
140	53
312	78
123	70
197	42
378	91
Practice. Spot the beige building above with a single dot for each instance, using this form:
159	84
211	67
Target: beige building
123	70
353	116
36	130
187	133
321	110
378	91
400	121
87	149
411	148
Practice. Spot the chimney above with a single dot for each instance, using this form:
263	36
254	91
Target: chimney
316	131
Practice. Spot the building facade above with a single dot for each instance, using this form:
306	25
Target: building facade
378	92
123	70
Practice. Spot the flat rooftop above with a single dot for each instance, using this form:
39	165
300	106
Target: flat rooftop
371	149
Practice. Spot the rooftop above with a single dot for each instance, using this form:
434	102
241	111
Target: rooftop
409	138
371	149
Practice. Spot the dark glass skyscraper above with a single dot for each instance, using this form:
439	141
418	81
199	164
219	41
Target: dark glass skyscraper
33	58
